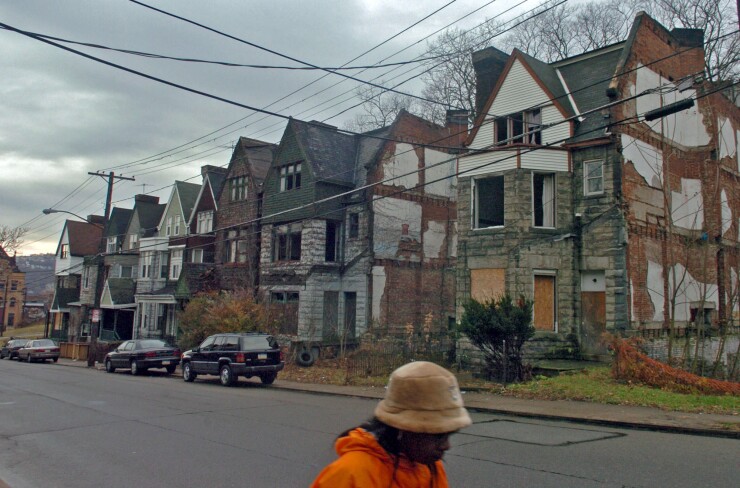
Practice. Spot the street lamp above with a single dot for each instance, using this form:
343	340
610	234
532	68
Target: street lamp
92	352
48	211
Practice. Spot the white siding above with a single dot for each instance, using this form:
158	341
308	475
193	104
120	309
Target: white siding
484	163
544	160
519	92
551	115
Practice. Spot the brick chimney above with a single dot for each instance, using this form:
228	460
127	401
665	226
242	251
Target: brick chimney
146	198
456	123
488	64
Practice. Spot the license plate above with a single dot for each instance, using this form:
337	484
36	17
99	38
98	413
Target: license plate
262	355
166	362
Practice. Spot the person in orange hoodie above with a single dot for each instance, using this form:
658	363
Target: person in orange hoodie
403	444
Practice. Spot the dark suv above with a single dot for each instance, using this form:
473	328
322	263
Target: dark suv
10	350
232	355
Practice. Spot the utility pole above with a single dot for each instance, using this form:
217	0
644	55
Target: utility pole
97	312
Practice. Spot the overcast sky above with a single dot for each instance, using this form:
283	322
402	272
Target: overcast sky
62	115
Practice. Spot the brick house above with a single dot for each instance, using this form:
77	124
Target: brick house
335	253
570	197
12	291
239	205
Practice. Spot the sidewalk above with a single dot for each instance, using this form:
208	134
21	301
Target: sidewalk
592	413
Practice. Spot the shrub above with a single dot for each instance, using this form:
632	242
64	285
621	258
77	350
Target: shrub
215	312
499	328
632	365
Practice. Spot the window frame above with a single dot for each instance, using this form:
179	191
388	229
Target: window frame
554	212
290	176
238	189
475	202
286	242
587	179
517	128
354	225
205	222
332	248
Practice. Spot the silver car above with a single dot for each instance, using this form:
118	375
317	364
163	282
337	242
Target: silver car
39	350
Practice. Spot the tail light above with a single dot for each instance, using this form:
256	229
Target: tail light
282	357
240	357
54	349
150	354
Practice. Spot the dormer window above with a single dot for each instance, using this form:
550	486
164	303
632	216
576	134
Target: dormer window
519	128
64	251
290	176
177	225
205	222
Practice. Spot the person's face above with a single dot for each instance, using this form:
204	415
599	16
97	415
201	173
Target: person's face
424	448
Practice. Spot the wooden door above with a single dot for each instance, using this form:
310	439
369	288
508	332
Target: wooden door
544	302
350	314
593	312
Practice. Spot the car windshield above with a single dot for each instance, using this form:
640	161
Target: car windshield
43	343
258	342
151	344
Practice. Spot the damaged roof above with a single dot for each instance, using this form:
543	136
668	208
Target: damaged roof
330	153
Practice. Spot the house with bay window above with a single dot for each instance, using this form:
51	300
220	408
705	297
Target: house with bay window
586	189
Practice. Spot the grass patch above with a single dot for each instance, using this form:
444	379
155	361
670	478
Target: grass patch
591	385
597	385
33	331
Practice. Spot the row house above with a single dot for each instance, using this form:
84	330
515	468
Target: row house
608	220
349	220
12	291
71	318
161	258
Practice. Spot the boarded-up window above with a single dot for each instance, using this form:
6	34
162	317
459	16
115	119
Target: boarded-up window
486	284
544	302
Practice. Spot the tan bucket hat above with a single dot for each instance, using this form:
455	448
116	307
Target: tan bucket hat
423	397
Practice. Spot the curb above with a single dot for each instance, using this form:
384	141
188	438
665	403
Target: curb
477	405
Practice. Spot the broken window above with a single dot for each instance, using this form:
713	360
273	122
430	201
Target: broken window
286	243
290	176
543	199
593	177
331	253
519	127
489	202
237	246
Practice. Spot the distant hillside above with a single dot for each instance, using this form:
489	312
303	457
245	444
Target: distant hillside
39	269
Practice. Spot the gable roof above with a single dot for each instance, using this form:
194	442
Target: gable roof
118	221
331	154
188	195
83	238
149	214
257	155
117	292
587	77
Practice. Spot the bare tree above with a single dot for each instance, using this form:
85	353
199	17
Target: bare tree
718	19
379	108
11	238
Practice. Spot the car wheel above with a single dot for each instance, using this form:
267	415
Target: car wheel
226	375
109	366
135	368
187	372
2	356
55	359
171	369
268	378
29	359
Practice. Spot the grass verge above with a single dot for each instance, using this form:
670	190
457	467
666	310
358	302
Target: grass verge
591	385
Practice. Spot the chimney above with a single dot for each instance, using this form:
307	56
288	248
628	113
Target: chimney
146	198
488	64
209	168
456	123
96	219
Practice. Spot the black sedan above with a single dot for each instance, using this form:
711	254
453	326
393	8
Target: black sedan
39	350
142	354
10	349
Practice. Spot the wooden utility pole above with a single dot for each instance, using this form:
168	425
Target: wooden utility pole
97	312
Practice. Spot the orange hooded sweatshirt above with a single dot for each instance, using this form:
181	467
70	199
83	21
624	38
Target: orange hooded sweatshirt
363	463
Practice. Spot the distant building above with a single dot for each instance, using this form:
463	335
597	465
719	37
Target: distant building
12	291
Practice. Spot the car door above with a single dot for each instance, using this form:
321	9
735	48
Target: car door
215	354
198	358
115	355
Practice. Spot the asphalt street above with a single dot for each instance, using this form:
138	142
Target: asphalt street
78	427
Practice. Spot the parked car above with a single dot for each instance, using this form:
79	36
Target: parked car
39	350
10	349
139	355
232	355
